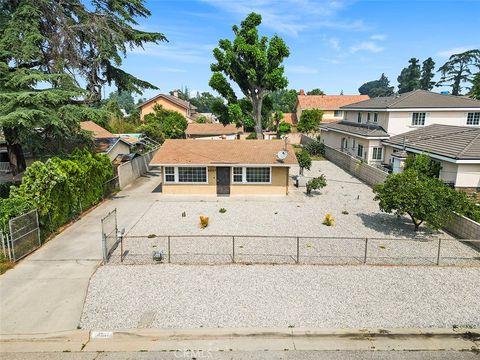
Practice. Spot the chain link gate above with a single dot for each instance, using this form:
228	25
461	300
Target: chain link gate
110	238
24	235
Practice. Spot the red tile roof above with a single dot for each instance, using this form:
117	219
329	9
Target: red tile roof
328	102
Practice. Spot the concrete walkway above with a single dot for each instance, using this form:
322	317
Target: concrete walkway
45	292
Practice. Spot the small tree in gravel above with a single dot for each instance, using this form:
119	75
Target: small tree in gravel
423	199
316	183
304	160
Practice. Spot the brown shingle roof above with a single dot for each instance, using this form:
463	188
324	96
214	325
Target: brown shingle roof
98	131
416	99
456	142
366	130
215	152
211	129
171	98
328	102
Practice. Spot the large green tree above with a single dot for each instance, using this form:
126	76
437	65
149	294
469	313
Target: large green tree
426	82
376	88
55	58
459	70
171	124
310	120
475	89
254	63
204	101
409	78
284	100
315	91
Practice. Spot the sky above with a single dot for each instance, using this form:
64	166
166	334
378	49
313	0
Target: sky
334	45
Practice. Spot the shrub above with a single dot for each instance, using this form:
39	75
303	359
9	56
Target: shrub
222	211
203	221
284	127
316	183
345	212
304	160
315	148
309	120
328	220
252	136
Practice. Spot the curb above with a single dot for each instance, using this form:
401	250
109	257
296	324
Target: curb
246	339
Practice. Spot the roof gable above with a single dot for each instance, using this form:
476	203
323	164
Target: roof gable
170	98
98	131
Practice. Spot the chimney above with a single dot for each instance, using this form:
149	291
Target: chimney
175	93
302	92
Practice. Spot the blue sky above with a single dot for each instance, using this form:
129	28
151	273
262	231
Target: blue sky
335	45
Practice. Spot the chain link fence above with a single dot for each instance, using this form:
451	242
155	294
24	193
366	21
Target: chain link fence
110	238
224	249
23	237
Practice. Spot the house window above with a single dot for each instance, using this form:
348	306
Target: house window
237	174
169	174
359	117
375	117
192	174
360	150
368	117
418	119
473	118
353	144
377	153
338	113
257	175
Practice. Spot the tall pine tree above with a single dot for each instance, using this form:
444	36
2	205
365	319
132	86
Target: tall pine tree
409	78
426	82
458	70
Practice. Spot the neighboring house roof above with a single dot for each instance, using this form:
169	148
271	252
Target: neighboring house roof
196	129
98	131
456	142
214	152
365	130
327	102
105	145
415	99
290	118
173	99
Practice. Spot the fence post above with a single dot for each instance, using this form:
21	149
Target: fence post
121	248
38	228
298	250
366	249
104	245
168	245
233	249
438	252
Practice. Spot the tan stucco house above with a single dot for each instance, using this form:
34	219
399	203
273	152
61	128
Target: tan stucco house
212	167
368	123
212	131
106	142
330	105
456	148
168	102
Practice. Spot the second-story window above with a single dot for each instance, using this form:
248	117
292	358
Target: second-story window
338	113
368	117
418	119
359	117
375	117
473	118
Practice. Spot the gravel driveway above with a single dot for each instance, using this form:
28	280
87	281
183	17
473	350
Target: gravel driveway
176	296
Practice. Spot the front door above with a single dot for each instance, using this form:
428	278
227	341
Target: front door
223	180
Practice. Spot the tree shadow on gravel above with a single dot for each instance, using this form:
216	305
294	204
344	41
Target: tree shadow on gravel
394	226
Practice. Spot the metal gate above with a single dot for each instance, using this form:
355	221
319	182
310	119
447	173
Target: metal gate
110	238
24	235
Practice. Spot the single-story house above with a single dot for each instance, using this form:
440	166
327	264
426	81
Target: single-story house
457	148
385	117
106	142
215	131
330	105
211	167
168	102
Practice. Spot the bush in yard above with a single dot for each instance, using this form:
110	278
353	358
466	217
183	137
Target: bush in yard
309	121
284	127
316	183
304	160
252	136
422	198
203	221
315	148
328	220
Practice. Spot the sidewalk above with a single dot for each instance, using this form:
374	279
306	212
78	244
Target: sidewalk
45	292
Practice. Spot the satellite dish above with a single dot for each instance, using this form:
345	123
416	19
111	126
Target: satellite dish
282	155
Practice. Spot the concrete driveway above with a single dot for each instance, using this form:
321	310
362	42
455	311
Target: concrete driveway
45	292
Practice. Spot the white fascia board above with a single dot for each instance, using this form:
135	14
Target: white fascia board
223	165
359	136
412	109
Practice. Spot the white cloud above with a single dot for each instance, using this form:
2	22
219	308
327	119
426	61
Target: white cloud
292	16
457	50
182	52
301	69
334	43
370	46
330	61
378	37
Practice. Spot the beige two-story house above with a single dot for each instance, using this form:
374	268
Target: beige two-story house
368	123
168	102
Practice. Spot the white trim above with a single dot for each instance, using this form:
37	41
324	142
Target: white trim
356	135
381	149
411	109
244	176
175	169
433	155
223	165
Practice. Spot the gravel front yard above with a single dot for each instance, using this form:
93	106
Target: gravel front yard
176	296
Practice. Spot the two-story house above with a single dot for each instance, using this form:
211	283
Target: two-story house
367	123
168	102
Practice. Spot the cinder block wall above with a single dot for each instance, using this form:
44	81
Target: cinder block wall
464	228
367	173
131	170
